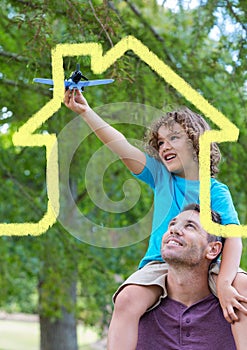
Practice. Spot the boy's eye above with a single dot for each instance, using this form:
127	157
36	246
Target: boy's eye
173	137
160	143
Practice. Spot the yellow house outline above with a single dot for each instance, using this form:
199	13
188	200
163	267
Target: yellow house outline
100	63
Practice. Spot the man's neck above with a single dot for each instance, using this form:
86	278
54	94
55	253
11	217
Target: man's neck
186	285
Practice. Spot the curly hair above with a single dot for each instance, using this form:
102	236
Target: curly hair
193	124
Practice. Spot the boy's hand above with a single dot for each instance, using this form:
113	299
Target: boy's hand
230	301
74	100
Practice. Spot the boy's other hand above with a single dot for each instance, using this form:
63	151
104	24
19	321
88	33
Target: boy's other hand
230	301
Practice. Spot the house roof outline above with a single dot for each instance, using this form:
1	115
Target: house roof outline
228	132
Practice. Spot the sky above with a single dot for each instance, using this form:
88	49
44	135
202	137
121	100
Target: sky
173	4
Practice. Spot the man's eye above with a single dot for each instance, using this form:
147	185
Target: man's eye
171	224
190	225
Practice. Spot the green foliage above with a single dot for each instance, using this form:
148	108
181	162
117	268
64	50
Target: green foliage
215	66
19	268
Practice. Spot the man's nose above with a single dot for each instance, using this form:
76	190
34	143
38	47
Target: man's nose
176	229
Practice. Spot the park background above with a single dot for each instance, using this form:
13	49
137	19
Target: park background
63	280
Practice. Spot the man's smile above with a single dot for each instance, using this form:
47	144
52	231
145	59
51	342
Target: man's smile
173	242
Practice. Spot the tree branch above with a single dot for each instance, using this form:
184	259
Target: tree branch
101	24
29	4
18	58
151	29
234	14
19	84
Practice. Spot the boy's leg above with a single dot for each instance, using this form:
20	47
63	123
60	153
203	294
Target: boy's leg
239	328
131	303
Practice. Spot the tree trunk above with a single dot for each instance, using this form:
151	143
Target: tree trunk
59	334
57	291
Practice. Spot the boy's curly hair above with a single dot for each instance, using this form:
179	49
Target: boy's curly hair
193	124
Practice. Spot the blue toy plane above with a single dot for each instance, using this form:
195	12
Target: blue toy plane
74	81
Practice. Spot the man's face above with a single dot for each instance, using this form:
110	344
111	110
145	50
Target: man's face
186	241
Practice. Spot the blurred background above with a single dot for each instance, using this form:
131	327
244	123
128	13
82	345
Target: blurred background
55	290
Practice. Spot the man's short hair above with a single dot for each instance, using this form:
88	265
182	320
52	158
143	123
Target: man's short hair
214	214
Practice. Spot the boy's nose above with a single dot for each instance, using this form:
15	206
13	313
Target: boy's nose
166	145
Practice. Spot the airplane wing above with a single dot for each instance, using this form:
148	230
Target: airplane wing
43	81
72	85
94	82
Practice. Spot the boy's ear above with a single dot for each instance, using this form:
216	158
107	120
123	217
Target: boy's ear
213	249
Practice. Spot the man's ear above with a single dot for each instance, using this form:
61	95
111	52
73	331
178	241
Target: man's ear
213	249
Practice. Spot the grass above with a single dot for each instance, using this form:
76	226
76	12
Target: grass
20	335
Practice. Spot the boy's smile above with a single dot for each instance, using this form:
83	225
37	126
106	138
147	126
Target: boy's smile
176	152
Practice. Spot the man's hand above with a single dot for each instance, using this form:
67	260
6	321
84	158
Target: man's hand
74	100
230	301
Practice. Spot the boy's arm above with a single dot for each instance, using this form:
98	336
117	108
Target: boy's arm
228	296
131	156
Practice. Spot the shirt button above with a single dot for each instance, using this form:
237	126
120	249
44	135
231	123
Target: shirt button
187	320
188	334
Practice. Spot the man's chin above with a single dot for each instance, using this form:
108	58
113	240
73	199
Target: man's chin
171	252
171	257
179	261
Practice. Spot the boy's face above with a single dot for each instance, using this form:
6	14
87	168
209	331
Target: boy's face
176	152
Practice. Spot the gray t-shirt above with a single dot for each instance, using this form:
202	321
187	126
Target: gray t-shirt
174	326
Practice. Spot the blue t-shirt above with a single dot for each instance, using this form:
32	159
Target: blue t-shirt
171	194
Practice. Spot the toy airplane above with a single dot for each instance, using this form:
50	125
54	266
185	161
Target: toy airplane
74	81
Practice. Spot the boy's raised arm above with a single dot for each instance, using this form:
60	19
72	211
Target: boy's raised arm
131	156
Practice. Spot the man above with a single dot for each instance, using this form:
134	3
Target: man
189	317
